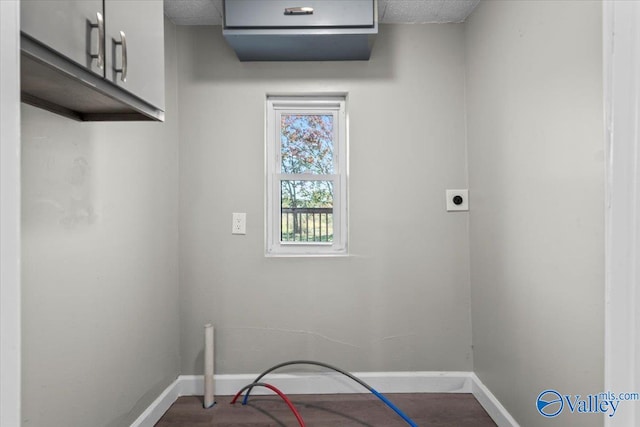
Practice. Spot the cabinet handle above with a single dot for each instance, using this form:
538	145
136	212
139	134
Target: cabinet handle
123	43
100	26
298	11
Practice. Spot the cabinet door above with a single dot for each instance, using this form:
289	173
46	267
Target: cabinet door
66	26
135	47
296	14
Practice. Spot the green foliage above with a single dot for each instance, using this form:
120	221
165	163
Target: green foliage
306	144
307	194
306	147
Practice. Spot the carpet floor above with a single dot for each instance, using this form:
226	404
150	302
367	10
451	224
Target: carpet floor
344	410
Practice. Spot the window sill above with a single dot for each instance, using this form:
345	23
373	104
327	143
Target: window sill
303	255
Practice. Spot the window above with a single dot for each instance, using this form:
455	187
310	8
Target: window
306	176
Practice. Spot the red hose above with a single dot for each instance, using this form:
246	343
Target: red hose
281	394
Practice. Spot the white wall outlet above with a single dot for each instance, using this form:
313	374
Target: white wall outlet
457	200
239	223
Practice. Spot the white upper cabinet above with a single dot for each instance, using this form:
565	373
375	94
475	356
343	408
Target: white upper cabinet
94	59
308	14
70	27
135	58
312	30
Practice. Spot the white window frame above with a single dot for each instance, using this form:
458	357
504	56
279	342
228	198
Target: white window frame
275	107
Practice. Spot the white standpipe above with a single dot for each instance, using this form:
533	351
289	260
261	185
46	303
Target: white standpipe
208	366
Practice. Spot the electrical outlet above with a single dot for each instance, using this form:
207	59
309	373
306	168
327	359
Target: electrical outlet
457	200
239	224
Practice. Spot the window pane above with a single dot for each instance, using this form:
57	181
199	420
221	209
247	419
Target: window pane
306	143
306	211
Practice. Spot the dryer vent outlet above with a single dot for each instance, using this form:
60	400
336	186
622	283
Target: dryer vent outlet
457	200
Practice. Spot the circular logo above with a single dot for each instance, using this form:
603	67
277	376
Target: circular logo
549	403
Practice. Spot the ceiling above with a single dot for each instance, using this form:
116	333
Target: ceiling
209	12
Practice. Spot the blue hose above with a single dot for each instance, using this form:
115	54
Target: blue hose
394	407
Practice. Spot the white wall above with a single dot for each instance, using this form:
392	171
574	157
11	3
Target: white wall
100	265
100	222
535	137
10	308
400	302
622	301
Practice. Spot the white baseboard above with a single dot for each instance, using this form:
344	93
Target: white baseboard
333	383
156	410
491	404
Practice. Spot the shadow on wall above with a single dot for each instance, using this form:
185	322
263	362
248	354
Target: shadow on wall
139	406
198	364
57	185
218	61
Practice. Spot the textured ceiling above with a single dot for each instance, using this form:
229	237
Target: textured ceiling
209	12
423	11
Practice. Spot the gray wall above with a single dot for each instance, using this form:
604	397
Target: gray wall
535	137
103	312
401	300
100	265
